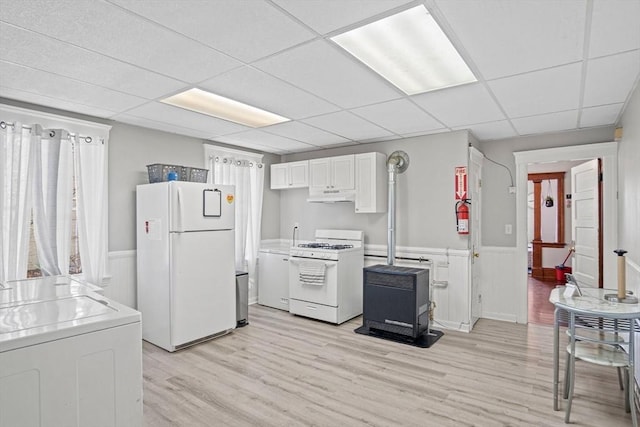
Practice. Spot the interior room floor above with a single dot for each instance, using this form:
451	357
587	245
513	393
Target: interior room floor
540	309
283	370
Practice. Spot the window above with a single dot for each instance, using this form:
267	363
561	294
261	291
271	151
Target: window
75	264
245	171
53	195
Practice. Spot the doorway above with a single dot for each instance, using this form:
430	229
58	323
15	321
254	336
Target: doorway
549	231
607	152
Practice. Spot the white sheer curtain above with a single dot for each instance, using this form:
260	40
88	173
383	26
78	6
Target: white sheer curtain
37	172
256	184
15	200
91	186
52	200
246	172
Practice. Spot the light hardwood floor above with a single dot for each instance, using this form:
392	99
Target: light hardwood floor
283	370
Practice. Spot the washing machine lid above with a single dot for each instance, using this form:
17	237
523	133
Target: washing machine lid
26	323
42	289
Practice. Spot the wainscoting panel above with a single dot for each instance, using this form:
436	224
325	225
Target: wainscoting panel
451	290
498	283
121	284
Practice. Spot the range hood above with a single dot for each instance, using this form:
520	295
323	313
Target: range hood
337	196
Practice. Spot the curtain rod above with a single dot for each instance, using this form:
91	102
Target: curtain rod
87	139
238	162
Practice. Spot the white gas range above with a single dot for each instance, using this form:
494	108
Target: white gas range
325	276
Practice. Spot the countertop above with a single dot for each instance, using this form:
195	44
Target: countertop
276	247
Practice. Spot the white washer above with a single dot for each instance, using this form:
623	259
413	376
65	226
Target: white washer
44	288
71	359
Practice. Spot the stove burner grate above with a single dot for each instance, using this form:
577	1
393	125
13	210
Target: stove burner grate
320	245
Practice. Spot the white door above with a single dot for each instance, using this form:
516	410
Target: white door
203	289
475	193
196	206
585	222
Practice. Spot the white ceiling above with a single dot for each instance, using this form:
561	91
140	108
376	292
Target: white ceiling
542	66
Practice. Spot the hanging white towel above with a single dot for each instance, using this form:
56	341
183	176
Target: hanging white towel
312	273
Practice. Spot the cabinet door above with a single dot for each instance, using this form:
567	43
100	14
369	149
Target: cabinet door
279	178
343	172
320	174
371	180
298	174
365	185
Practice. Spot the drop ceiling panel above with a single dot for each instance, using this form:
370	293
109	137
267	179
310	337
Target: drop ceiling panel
166	113
70	90
348	125
113	58
58	103
40	52
546	122
614	27
305	133
600	116
610	79
265	139
555	89
491	131
329	73
400	116
262	90
247	144
137	41
384	138
461	105
326	16
163	126
244	31
509	37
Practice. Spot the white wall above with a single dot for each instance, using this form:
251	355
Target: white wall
629	190
131	148
425	195
498	206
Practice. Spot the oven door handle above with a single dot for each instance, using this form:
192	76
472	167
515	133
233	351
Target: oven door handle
296	261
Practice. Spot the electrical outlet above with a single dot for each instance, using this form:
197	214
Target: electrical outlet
512	190
508	229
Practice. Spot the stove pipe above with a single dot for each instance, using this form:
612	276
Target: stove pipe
398	162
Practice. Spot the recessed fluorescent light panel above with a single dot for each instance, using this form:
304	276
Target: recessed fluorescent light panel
410	50
218	106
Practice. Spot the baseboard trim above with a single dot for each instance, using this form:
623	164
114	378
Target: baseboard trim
504	317
451	326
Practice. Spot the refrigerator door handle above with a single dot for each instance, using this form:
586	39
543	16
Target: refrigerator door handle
180	210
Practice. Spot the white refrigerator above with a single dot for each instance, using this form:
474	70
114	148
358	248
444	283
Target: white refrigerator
186	262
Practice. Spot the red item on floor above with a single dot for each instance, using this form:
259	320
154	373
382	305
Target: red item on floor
560	271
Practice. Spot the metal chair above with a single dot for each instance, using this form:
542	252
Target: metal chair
602	342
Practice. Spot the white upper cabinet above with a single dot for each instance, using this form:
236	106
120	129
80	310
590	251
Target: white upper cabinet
290	175
332	173
371	177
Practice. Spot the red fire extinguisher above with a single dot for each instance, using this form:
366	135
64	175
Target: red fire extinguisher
462	216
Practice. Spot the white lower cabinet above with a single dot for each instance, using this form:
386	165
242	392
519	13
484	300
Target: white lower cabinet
273	280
